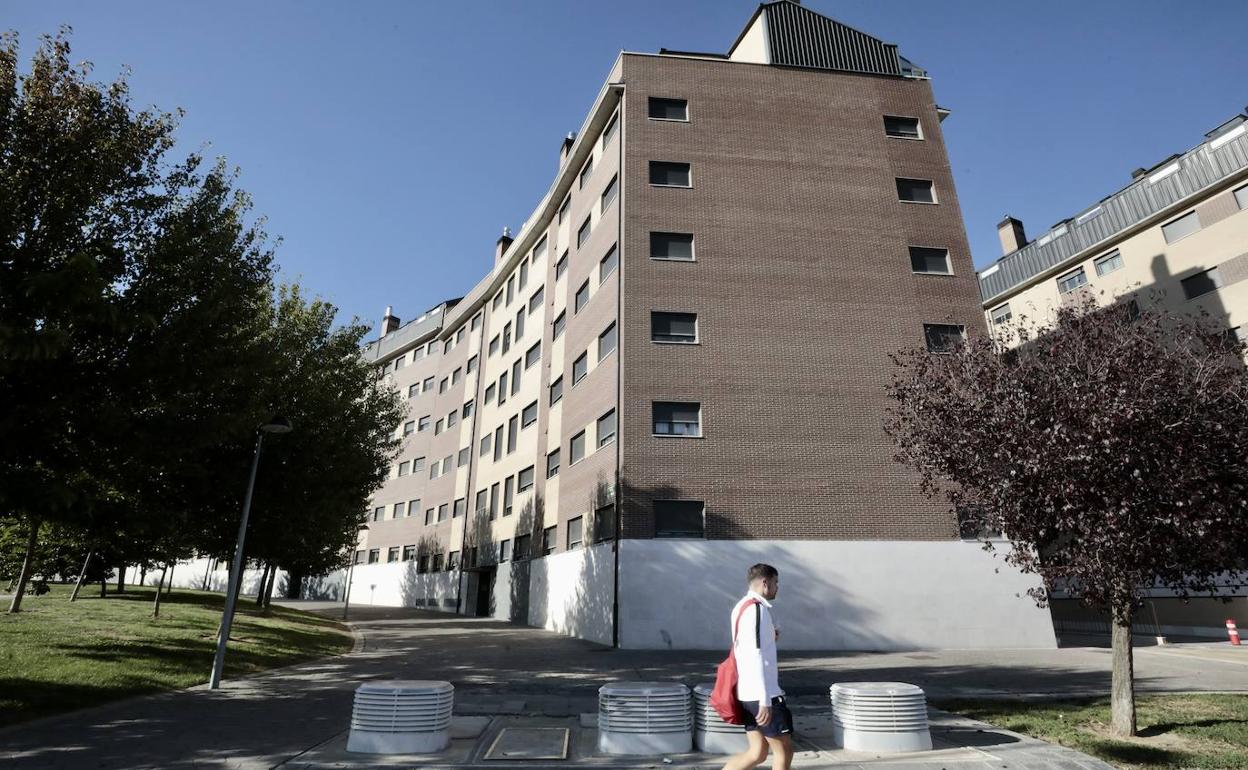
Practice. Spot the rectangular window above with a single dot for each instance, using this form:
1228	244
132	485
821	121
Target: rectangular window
506	336
374	555
448	464
467	411
521	550
674	327
1181	227
379	513
455	375
418	353
673	418
673	246
460	507
418	464
552	464
679	518
504	551
446	346
442	384
437	428
604	523
498	443
524	481
942	338
1241	197
548	541
409	552
392	553
582	297
557	327
520	323
608	195
472	365
576	448
536	300
606	428
452	419
556	391
459	334
563	209
403	468
609	131
509	495
607	265
582	234
443	511
668	174
433	469
489	393
511	288
413	390
586	171
580	367
915	190
539	251
513	430
429	514
452	561
1072	280
413	507
524	274
476	321
1202	283
1001	314
498	300
485	444
668	109
465	455
409	427
494	345
561	266
515	377
1108	263
929	260
428	385
902	128
607	341
423	423
502	388
533	355
576	532
529	415
493	501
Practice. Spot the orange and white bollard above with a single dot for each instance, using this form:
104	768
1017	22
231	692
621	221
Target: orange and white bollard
1232	632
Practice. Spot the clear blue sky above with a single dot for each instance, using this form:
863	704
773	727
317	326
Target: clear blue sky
388	143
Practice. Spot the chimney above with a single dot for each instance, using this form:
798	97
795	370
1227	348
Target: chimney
566	147
1010	231
1139	172
500	248
389	322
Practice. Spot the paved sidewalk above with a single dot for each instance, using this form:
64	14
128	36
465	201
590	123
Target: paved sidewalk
294	716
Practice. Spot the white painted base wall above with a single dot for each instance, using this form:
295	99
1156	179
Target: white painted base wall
834	595
571	593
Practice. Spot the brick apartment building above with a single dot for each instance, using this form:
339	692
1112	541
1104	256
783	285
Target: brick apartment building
677	368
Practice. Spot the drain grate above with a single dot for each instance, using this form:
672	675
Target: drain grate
520	743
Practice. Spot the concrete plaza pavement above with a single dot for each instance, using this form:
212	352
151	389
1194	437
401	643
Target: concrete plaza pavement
289	717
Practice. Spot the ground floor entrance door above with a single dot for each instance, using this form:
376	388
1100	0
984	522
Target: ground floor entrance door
485	592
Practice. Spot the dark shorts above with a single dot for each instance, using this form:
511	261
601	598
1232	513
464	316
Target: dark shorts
781	722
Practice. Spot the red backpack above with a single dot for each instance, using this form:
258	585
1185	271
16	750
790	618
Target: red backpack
724	696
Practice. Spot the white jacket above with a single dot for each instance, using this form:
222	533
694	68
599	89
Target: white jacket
755	651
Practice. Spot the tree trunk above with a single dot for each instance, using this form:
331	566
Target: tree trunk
208	571
81	575
1122	688
121	579
142	576
268	592
169	589
160	587
264	579
28	565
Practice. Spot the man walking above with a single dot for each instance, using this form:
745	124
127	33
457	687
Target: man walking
768	723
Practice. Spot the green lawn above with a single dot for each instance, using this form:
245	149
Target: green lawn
1175	731
56	656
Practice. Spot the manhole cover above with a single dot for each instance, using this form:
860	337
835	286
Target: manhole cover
530	743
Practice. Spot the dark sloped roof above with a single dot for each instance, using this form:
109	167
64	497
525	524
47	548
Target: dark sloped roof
800	37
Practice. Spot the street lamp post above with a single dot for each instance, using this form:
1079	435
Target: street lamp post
276	425
346	592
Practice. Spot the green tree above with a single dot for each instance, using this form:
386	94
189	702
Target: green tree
1109	446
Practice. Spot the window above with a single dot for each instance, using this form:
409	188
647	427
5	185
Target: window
460	506
489	393
606	428
607	265
524	481
418	464
942	338
604	523
580	367
423	423
673	418
413	507
400	362
539	251
561	266
432	348
374	555
521	551
515	377
409	427
915	191
418	353
556	391
437	428
576	448
442	385
446	346
1202	283
413	390
465	455
422	565
459	334
403	467
502	388
609	131
563	209
429	514
379	513
1001	314
448	464
674	327
524	274
509	495
672	246
467	409
506	337
392	553
576	532
606	341
529	415
902	128
1072	280
1241	197
668	109
511	288
482	502
498	443
485	444
504	551
493	345
582	234
433	469
586	171
679	518
399	509
428	384
513	431
409	552
1181	227
452	561
608	195
472	365
443	509
558	326
452	419
476	321
929	260
533	355
1108	263
536	300
667	174
582	297
552	464
548	541
519	324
